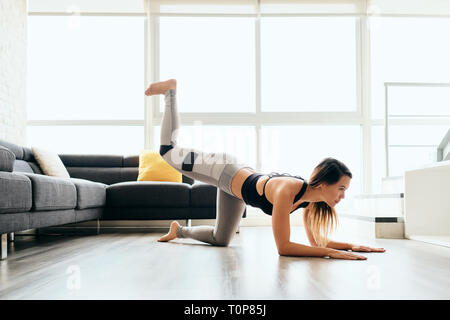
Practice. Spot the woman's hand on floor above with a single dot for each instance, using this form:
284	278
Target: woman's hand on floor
366	249
336	254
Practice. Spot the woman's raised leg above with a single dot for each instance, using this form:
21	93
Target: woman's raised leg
206	167
216	169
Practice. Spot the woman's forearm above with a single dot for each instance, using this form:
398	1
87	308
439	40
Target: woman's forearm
339	245
300	250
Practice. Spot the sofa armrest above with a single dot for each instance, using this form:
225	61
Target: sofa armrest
7	158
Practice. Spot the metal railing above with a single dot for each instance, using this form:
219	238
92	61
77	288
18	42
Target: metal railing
443	146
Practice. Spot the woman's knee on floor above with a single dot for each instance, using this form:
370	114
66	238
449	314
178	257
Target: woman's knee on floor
222	242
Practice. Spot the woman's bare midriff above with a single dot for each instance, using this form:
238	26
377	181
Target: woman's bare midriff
240	177
238	181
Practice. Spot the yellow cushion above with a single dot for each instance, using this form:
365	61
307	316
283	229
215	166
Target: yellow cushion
152	167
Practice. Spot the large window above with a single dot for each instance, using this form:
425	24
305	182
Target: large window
213	59
217	62
410	50
85	68
308	64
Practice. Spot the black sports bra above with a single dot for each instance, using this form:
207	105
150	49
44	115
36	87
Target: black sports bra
252	197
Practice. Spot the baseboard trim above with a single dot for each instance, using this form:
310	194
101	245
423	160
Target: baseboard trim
373	219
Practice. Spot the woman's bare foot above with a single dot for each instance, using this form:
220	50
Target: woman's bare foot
161	87
172	232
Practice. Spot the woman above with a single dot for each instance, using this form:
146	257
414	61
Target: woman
276	194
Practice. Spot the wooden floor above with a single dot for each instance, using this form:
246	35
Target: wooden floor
126	265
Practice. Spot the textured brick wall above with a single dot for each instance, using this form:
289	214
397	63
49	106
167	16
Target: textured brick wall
13	68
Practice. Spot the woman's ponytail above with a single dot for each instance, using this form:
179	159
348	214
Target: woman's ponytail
322	220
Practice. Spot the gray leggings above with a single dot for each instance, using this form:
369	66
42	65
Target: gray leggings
216	169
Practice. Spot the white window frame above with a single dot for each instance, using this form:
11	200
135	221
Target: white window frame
152	115
260	118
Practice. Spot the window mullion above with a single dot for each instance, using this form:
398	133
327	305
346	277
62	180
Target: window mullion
258	126
364	79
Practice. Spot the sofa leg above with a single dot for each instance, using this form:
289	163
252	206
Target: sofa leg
188	223
238	229
3	246
11	237
98	226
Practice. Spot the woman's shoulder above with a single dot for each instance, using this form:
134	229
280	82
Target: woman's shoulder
283	187
287	187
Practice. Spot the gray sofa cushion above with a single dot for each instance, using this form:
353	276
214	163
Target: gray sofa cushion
15	193
52	193
25	166
89	194
17	150
7	158
22	166
148	194
203	195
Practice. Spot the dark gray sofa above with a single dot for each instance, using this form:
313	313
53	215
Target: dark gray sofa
102	187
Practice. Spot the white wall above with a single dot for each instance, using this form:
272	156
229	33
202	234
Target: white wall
13	67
